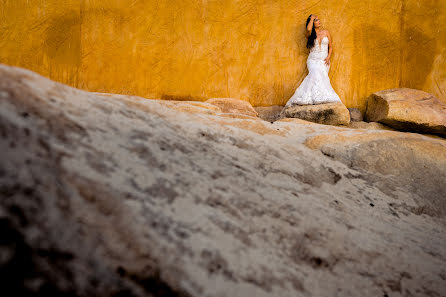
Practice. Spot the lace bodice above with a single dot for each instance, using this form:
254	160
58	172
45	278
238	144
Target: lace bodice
319	51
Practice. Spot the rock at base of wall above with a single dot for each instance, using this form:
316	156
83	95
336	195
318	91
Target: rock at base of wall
269	113
231	105
355	114
407	110
326	113
369	126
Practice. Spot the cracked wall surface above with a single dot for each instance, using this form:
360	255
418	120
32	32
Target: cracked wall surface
252	49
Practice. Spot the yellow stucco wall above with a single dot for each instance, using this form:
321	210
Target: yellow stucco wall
248	49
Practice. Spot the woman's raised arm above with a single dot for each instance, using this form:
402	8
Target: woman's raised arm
310	26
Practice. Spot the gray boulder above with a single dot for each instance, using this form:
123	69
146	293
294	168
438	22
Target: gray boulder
124	196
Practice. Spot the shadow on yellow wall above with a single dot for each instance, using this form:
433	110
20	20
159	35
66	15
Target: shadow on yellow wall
252	50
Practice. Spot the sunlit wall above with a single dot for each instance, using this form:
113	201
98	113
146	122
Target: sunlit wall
248	49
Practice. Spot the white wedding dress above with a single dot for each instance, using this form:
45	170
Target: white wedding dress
316	87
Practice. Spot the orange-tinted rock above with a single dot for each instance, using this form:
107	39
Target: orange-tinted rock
408	110
369	126
231	105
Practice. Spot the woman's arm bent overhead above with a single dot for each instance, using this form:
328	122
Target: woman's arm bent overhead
309	26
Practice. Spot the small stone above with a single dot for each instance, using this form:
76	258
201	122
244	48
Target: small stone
355	114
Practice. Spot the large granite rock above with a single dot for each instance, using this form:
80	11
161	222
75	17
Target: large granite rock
326	113
123	196
231	105
407	110
417	161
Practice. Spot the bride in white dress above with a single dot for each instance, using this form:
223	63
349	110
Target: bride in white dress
316	87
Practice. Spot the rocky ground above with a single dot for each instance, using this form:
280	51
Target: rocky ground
113	195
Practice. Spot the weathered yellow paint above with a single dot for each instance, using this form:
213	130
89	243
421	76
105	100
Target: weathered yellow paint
247	49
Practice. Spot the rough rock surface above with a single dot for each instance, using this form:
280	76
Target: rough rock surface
123	196
369	125
326	113
269	113
407	110
418	163
231	105
355	114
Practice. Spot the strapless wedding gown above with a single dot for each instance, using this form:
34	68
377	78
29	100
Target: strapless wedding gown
316	87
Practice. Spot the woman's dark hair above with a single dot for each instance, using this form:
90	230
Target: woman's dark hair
313	36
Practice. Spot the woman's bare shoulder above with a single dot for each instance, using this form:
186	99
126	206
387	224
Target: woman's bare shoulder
326	33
